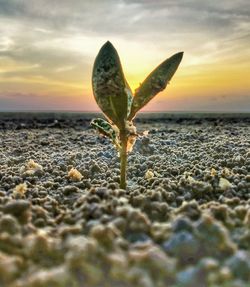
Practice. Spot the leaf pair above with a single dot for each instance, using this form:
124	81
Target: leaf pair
112	92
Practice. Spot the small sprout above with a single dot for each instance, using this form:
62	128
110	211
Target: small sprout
20	189
116	100
74	174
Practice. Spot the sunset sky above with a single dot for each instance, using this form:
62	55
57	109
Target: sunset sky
48	47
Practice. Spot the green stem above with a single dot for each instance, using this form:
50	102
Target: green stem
123	158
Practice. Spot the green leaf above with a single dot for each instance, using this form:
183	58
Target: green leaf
106	129
155	82
109	85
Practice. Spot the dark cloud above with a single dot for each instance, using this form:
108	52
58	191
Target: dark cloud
129	17
165	23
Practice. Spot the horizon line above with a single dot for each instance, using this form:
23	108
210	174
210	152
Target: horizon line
142	112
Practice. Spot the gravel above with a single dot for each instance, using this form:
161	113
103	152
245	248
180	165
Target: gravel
184	219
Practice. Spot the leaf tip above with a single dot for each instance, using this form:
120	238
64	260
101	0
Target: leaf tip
179	55
108	46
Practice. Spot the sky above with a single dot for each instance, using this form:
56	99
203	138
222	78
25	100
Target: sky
48	47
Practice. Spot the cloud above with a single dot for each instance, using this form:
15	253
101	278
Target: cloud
191	25
166	23
58	40
129	17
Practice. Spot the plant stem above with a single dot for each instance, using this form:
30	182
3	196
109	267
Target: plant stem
123	159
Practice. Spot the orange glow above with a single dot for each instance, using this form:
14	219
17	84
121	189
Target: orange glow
69	90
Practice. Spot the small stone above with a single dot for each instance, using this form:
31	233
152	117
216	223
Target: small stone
10	268
190	277
20	189
213	172
224	184
184	246
9	224
31	169
74	174
182	224
69	189
149	174
16	207
239	264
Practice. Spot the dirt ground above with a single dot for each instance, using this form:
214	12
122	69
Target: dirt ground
184	219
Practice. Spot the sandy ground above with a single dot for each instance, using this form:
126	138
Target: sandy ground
184	219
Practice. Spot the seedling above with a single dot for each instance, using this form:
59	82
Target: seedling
116	100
